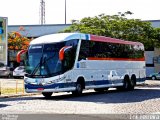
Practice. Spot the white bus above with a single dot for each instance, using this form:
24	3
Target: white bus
73	62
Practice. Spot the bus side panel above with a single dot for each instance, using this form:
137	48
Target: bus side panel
97	72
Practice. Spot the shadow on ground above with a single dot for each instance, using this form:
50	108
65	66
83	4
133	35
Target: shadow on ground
112	96
3	105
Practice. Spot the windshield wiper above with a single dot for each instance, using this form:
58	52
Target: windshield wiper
39	64
43	62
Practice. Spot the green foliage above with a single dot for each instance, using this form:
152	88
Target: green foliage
118	26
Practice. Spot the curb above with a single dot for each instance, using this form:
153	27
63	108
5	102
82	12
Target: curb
19	95
152	83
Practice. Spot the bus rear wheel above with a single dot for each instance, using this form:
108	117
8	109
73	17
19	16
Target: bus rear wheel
47	94
128	84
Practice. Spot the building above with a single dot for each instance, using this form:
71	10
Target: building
33	31
153	56
155	23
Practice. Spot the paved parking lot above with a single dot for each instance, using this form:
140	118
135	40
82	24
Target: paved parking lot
144	99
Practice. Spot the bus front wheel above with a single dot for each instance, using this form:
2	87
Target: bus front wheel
79	89
47	94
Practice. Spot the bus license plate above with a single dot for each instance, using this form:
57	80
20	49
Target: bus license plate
40	89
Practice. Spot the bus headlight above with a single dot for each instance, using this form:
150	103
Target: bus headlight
25	80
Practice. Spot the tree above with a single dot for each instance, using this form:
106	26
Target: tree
118	26
17	42
157	34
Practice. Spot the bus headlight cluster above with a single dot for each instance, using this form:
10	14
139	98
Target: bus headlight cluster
25	80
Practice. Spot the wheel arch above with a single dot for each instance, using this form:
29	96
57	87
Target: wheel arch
81	80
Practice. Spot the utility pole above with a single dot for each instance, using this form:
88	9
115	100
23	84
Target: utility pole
42	12
65	11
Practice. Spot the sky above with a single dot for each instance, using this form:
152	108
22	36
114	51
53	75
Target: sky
27	12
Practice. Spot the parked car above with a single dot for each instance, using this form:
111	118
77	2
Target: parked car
155	76
5	71
18	72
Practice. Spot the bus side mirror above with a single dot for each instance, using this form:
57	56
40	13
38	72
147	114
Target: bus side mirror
19	55
62	52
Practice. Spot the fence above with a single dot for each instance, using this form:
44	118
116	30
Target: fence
11	86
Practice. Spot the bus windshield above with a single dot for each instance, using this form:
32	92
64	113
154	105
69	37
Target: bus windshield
43	60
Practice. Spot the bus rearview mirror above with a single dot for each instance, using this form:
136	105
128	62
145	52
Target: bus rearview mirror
62	52
19	55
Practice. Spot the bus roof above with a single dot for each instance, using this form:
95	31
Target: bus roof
59	37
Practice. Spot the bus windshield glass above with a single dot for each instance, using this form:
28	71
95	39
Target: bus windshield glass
43	60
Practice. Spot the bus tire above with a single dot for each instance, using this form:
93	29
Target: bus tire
132	82
79	89
125	86
47	94
129	84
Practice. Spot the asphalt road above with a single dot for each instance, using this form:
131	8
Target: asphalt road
144	100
